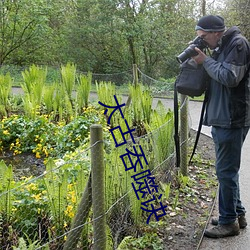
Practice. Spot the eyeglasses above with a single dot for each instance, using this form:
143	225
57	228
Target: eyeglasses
203	36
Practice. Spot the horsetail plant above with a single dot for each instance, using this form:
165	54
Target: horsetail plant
68	74
106	92
141	109
83	91
161	126
6	184
33	85
56	184
5	89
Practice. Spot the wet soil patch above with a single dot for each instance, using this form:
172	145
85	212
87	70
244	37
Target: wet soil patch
25	164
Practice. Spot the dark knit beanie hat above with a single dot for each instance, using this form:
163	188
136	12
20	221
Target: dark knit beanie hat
211	23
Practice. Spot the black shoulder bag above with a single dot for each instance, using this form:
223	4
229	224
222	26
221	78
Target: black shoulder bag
191	81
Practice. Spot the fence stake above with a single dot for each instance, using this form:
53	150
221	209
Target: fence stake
184	135
135	74
98	195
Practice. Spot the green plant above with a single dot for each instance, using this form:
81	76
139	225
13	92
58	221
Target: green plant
48	98
5	90
176	199
29	245
34	81
184	181
161	132
6	196
141	110
68	74
30	208
106	92
83	91
149	241
167	189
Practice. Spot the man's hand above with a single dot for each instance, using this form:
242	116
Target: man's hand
200	58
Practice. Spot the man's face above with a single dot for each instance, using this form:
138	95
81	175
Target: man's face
211	38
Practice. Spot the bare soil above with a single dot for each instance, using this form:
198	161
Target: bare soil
188	220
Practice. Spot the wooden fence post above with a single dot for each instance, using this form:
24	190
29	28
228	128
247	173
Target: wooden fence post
98	194
184	135
135	74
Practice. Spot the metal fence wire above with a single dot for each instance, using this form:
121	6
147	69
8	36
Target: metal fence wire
94	200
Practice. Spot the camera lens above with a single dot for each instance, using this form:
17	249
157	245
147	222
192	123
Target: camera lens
187	53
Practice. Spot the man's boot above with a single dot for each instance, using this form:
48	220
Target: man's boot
221	230
241	219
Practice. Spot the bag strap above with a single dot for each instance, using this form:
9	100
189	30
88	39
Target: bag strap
176	126
199	127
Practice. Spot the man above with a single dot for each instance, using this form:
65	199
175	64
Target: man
228	112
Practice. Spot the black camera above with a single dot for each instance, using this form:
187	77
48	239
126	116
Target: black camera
190	51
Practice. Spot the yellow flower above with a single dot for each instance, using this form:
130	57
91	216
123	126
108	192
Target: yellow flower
6	132
31	187
38	155
73	199
14	209
69	211
37	196
45	151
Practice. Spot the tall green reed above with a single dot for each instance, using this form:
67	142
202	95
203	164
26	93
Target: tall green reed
56	184
48	97
161	128
83	91
141	105
106	92
33	86
5	90
6	196
68	74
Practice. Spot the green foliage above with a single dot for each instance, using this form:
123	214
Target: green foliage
167	189
141	103
106	92
5	90
48	98
30	206
57	188
68	74
6	184
23	25
183	180
34	81
83	91
43	137
176	199
161	126
29	245
148	241
103	36
55	197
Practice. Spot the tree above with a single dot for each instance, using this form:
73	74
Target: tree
237	13
20	22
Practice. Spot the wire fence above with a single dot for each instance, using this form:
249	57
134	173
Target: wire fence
65	206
